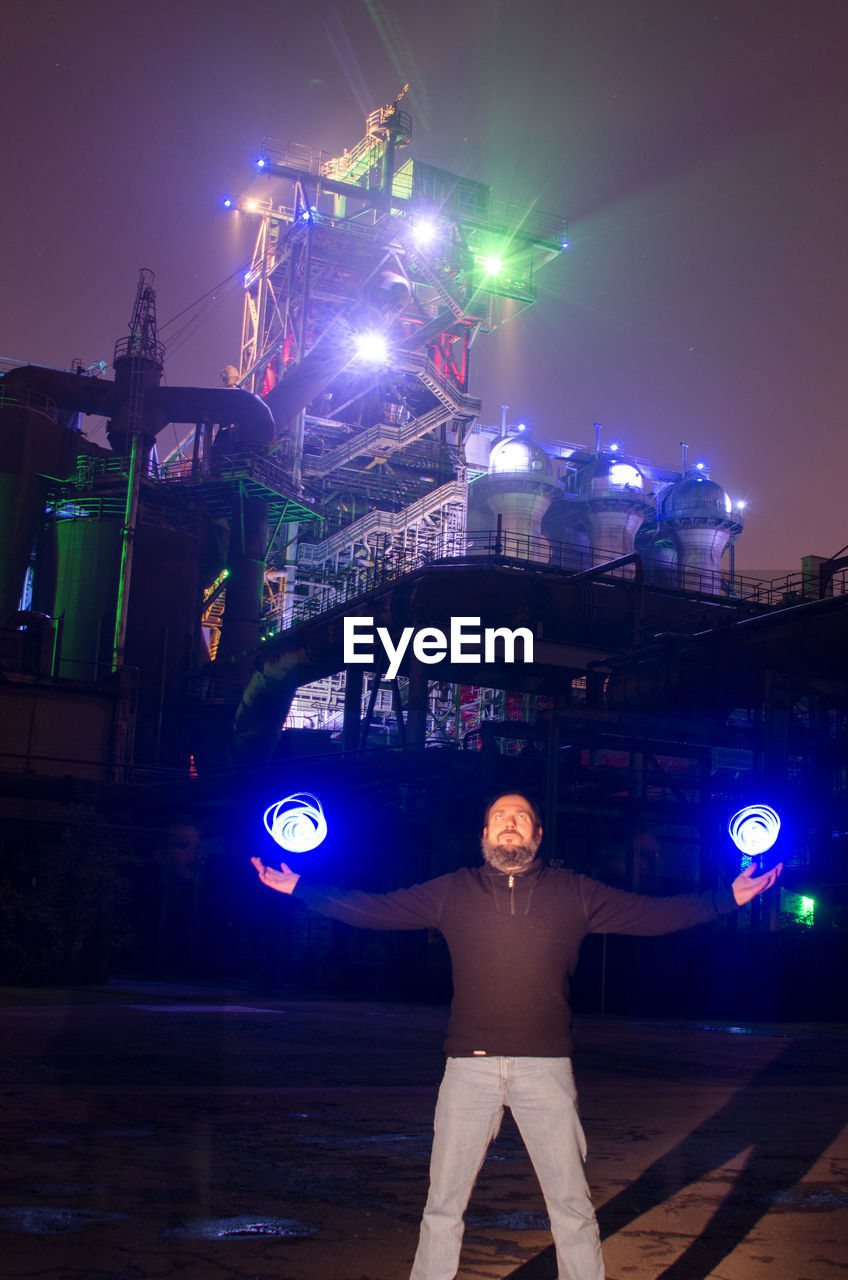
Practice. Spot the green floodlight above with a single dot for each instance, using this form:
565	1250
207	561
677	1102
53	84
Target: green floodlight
492	264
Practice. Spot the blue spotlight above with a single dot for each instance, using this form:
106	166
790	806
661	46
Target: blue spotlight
297	823
261	162
754	829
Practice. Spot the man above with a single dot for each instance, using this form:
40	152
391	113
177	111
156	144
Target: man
514	929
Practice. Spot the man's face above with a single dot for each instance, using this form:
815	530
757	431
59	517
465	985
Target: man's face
512	835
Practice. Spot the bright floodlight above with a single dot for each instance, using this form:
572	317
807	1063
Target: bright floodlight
297	823
754	829
372	348
493	265
623	474
424	232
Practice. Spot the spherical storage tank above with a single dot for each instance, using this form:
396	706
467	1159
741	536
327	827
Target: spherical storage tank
610	507
514	496
517	455
695	496
697	514
610	477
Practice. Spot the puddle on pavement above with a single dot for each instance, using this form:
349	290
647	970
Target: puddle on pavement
47	1190
516	1221
732	1031
201	1008
233	1228
813	1198
363	1140
44	1220
124	1133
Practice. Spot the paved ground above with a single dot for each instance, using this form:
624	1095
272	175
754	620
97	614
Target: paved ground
195	1134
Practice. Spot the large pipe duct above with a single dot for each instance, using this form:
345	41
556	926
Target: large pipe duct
79	393
230	405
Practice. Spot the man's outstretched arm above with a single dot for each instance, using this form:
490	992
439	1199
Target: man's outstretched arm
418	907
615	911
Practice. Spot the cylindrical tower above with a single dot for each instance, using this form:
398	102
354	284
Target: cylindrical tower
139	361
84	546
242	628
512	499
697	515
613	496
32	446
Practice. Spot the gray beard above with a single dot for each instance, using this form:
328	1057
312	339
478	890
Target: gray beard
509	857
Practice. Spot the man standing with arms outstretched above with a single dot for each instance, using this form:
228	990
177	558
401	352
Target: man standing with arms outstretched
514	928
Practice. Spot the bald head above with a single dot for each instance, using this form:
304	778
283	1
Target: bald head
512	833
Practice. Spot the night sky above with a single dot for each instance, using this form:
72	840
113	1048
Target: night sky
698	150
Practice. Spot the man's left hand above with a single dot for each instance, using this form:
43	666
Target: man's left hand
747	885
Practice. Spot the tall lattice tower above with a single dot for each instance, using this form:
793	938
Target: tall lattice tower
139	361
372	276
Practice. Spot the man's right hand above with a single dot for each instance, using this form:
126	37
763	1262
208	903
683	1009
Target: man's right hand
283	880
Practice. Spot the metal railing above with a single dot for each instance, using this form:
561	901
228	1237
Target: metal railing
330	589
296	155
34	400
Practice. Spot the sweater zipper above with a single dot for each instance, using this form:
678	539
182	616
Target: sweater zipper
511	895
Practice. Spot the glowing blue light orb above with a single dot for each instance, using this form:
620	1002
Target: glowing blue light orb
297	823
754	829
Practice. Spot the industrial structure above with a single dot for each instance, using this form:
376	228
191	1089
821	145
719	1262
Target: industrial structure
174	622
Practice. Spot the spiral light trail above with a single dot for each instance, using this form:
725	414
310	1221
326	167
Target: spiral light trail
296	823
754	829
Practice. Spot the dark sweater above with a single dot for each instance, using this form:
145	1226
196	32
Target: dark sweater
514	942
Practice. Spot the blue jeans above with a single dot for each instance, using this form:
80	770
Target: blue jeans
541	1095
